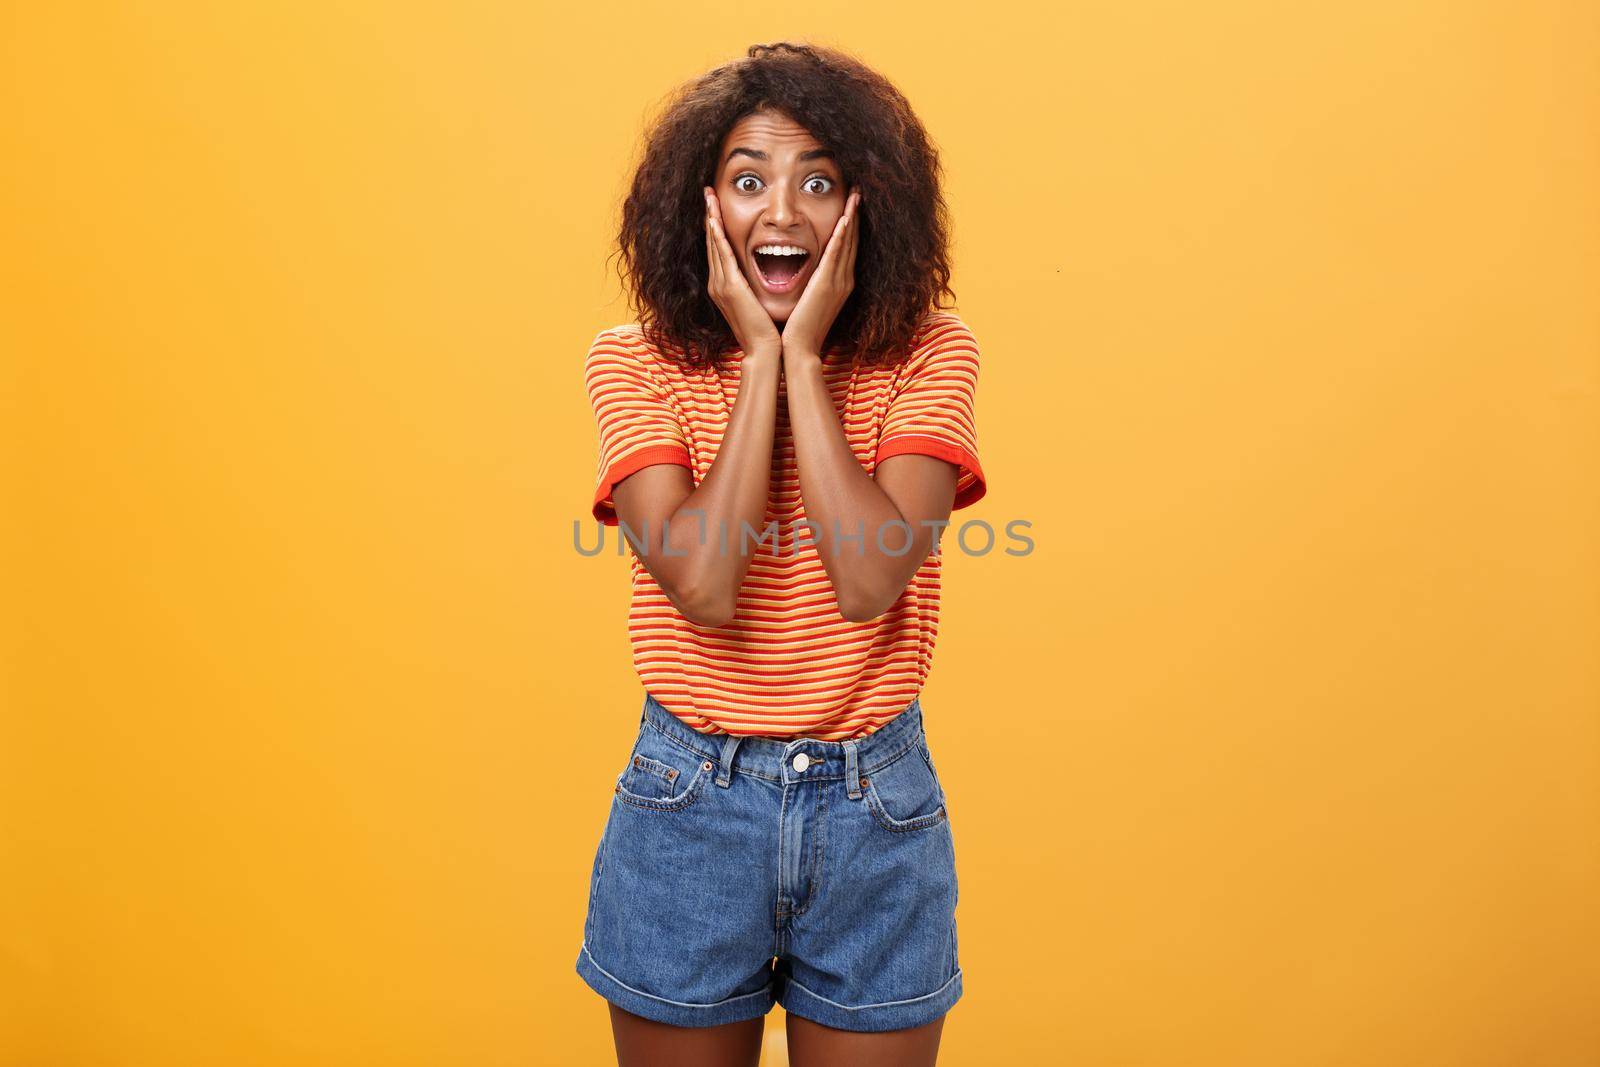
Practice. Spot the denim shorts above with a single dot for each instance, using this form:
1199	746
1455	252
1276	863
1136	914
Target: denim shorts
737	872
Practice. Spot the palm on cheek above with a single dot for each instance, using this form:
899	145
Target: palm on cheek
752	327
830	285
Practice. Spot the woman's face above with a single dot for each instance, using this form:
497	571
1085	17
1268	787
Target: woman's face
778	188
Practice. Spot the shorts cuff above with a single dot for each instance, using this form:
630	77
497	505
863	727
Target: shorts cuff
674	1012
889	1015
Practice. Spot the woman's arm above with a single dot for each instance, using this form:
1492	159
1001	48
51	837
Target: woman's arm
706	555
851	508
873	534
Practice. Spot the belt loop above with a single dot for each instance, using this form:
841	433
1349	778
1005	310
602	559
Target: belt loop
852	772
729	744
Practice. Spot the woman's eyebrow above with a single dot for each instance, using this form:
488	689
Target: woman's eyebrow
815	153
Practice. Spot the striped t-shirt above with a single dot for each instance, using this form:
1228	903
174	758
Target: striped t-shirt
787	663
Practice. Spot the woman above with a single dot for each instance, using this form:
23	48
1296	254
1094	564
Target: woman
794	414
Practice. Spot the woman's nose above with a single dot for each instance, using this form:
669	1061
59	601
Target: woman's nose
779	208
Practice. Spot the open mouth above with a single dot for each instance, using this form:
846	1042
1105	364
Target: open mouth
781	271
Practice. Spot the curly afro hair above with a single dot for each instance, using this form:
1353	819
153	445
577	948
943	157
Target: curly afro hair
902	268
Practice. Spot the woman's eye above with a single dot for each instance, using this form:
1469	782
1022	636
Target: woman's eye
738	183
827	185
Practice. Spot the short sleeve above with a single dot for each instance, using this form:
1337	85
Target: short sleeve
632	407
933	411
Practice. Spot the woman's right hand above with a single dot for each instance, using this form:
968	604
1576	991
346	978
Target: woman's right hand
730	290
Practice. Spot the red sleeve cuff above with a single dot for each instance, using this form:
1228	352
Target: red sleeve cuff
923	445
603	508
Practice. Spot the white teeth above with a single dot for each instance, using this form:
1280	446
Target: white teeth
781	250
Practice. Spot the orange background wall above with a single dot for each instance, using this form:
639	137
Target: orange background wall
1283	747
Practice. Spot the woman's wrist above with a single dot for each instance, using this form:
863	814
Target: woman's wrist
772	350
796	355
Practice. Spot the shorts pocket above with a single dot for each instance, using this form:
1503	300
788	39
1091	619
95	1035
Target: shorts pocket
661	775
905	794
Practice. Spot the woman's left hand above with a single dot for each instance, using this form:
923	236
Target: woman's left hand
830	285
